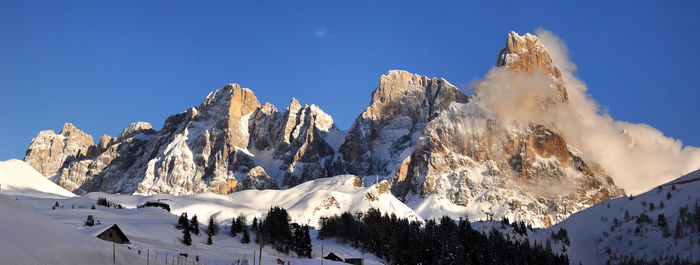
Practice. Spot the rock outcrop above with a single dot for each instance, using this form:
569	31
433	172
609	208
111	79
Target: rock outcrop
49	152
257	179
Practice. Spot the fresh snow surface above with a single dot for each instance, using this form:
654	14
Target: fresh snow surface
591	235
29	237
153	229
306	203
19	178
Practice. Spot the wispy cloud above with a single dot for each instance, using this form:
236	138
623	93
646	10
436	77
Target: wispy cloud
323	33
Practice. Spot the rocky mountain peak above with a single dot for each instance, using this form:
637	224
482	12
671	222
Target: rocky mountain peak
136	128
401	91
48	151
527	54
400	107
268	108
68	128
231	101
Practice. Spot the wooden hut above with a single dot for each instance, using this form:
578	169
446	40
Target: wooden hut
114	234
333	256
355	261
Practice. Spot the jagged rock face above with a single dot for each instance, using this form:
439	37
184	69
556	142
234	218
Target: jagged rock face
470	157
297	139
206	149
198	150
386	131
257	179
527	54
49	152
107	160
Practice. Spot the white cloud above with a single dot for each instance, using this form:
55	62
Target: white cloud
323	33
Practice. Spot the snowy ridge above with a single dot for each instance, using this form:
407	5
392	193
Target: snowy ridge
19	178
306	203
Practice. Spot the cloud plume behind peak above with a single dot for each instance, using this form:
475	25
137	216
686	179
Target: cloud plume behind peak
637	156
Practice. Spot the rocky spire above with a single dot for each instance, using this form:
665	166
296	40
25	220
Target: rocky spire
48	151
527	54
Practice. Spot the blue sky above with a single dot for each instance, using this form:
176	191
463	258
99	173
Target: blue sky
102	65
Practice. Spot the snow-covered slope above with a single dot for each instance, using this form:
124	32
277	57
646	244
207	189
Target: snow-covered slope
29	237
154	228
305	203
18	177
617	228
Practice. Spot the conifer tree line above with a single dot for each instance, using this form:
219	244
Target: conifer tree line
276	231
400	241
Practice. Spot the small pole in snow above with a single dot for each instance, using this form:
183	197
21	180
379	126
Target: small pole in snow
166	258
260	257
254	256
114	255
321	254
148	256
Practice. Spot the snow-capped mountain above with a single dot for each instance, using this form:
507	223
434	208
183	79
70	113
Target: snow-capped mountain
441	151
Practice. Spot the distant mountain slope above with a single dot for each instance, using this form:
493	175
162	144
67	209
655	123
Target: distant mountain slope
306	203
19	178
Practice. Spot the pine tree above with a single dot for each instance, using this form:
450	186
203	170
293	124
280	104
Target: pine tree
661	220
93	207
308	247
297	242
254	227
240	223
209	242
679	229
246	236
213	228
234	227
182	221
56	205
186	237
194	225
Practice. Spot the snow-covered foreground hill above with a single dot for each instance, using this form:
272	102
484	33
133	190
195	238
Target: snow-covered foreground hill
29	237
33	232
154	228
